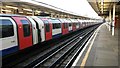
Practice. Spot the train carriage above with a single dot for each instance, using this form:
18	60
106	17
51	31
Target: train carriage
80	23
8	37
56	27
83	24
21	32
24	32
34	30
40	28
16	33
48	28
77	24
64	26
73	25
69	25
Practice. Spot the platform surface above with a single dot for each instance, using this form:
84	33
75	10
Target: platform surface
104	51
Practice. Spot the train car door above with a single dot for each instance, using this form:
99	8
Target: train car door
48	29
69	25
73	26
65	27
24	32
8	36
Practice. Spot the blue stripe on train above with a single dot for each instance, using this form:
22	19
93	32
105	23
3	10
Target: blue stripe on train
57	35
9	50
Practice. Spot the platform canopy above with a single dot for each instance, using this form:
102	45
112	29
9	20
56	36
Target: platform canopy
102	7
34	6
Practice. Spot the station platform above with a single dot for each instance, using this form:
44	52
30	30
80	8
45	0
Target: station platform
101	50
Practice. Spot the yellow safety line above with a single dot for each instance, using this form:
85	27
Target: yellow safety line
89	49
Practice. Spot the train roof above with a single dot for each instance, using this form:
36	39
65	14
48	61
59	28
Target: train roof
44	16
54	20
74	20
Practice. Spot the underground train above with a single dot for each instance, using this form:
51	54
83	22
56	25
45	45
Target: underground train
20	32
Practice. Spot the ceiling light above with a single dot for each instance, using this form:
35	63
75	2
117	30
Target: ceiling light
102	2
7	10
27	9
29	13
11	7
20	12
37	11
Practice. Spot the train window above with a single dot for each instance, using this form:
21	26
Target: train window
77	24
70	24
6	27
47	26
56	25
26	28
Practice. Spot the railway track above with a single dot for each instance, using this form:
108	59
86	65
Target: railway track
63	54
61	57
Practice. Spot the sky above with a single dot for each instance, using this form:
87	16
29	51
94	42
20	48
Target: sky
81	7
